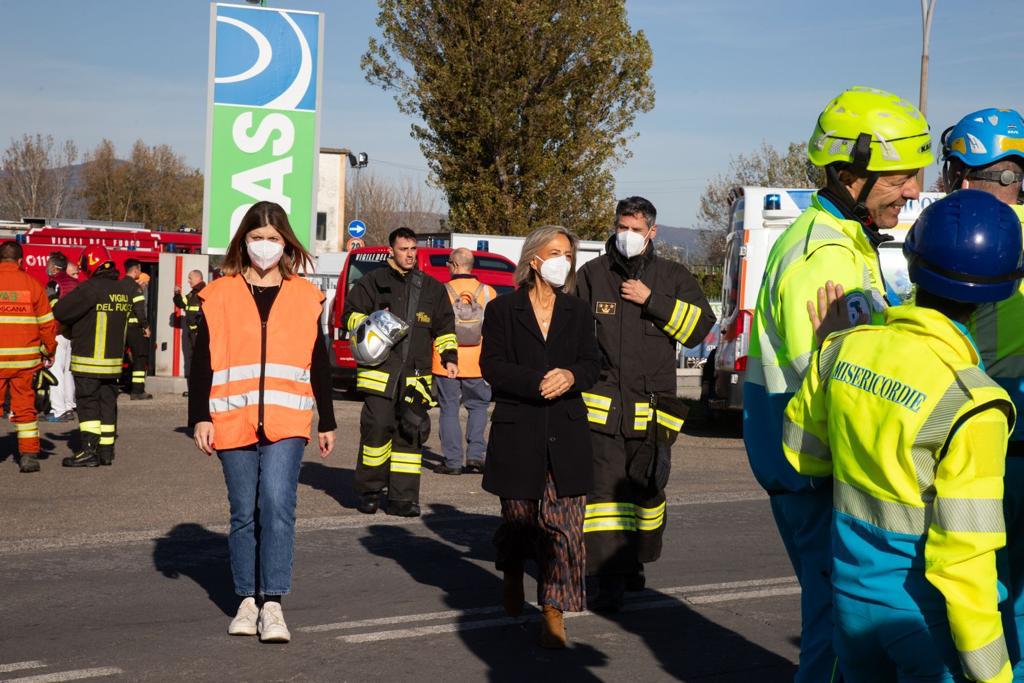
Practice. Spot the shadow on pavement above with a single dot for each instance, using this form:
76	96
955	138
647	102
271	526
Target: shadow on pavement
688	645
508	649
691	647
721	427
431	459
49	439
336	482
202	555
9	445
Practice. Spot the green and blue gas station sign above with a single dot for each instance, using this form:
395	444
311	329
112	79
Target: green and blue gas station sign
263	120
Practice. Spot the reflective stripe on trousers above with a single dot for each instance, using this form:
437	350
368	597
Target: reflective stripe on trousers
622	517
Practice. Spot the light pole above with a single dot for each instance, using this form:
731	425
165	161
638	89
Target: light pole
358	162
927	12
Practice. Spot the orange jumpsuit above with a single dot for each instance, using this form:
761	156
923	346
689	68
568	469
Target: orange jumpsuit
27	332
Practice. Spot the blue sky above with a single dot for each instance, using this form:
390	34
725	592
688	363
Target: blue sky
728	74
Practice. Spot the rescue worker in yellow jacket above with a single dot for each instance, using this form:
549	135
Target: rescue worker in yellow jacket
985	151
871	144
914	434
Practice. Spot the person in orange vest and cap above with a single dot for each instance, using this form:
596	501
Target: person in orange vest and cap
28	333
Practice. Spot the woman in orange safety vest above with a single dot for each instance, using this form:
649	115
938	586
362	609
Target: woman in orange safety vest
258	367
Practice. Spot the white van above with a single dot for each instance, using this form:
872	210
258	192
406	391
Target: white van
757	218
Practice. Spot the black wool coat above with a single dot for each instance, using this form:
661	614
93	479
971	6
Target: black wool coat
528	433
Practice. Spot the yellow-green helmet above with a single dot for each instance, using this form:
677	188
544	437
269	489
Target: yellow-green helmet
872	129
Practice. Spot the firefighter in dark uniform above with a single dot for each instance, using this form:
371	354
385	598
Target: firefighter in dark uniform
97	313
643	306
389	456
137	334
190	304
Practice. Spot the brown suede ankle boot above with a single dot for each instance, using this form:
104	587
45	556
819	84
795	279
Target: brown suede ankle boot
552	629
512	596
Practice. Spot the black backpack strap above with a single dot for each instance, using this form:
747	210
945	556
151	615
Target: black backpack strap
415	286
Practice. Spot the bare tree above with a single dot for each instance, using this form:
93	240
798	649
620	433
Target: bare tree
764	166
386	204
154	186
35	174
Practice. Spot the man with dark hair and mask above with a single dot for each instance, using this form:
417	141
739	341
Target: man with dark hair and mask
398	387
644	307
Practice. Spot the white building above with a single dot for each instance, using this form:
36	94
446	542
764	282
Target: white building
330	201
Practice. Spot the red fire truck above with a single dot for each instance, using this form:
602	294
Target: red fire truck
492	269
123	244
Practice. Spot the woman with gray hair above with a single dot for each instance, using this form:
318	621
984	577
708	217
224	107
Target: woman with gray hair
539	353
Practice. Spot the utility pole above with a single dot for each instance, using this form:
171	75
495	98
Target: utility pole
927	12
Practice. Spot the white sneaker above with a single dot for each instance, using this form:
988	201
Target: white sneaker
271	624
244	623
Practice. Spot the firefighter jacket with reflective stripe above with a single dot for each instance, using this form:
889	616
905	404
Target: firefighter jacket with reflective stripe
816	248
638	342
27	327
190	303
97	313
260	370
914	434
431	328
999	330
140	297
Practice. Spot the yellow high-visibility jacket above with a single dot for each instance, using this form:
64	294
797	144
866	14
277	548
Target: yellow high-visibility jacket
914	434
819	246
997	328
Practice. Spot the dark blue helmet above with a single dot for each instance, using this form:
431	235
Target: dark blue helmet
967	248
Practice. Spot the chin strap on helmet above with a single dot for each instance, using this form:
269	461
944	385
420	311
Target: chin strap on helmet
950	180
861	157
856	209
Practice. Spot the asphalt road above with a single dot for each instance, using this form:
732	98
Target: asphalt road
122	573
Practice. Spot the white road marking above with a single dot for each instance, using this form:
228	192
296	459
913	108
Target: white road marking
401	619
700	594
743	595
480	611
21	666
75	675
351	521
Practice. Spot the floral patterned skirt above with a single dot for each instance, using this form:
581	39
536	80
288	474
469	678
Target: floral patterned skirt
549	531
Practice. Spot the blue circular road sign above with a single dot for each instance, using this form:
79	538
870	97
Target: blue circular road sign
357	229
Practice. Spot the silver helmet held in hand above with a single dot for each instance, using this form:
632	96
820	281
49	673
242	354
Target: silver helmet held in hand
375	336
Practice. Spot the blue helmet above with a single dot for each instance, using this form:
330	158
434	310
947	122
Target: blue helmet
982	138
966	247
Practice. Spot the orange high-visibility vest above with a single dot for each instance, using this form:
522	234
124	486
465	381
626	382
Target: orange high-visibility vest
260	372
27	327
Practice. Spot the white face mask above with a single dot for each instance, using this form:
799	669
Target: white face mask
555	270
630	243
264	253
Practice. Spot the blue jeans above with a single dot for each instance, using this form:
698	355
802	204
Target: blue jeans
805	524
879	644
475	394
262	481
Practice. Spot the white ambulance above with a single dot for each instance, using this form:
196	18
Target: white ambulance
757	218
